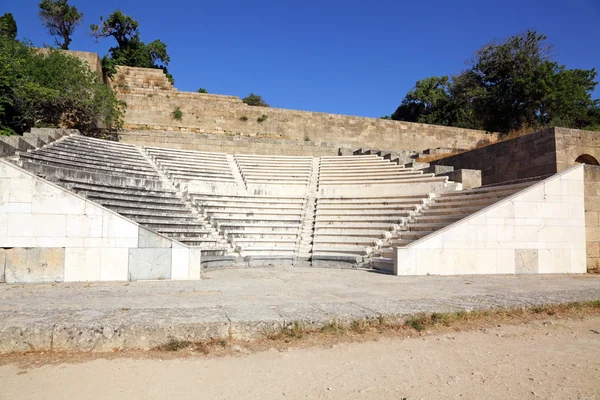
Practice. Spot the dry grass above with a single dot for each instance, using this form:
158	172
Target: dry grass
298	335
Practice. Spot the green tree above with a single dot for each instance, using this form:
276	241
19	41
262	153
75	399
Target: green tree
60	19
52	89
509	86
254	100
8	26
130	50
202	90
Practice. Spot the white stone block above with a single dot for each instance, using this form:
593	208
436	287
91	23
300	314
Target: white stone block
99	242
114	264
117	226
553	188
21	190
546	261
526	233
575	187
49	199
83	265
78	226
524	209
504	210
505	233
180	264
34	225
534	194
16	208
18	241
405	262
58	242
505	261
3	224
562	261
578	261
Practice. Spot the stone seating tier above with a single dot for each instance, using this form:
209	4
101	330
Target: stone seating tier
443	210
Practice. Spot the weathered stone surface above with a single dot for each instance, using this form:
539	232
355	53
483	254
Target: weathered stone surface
526	261
245	303
148	238
145	264
34	264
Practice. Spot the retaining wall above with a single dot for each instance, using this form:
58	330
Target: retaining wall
592	216
48	234
539	230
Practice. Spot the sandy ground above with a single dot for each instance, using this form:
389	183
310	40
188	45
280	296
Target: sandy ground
553	359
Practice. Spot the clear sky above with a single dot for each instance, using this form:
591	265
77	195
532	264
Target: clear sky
348	57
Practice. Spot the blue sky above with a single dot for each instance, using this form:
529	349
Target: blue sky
348	57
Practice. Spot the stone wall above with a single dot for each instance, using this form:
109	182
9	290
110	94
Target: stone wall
572	143
232	144
540	230
150	105
522	157
592	216
48	234
91	59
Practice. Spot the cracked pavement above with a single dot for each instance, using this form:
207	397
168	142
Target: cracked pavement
244	303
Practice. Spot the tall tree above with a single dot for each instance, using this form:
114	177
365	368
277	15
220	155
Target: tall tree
130	50
509	86
8	26
60	19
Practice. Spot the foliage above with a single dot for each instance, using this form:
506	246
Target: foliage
202	90
52	89
177	114
130	51
8	26
509	86
255	100
60	19
262	118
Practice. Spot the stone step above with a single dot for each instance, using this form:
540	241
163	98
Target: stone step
249	241
439	218
383	264
119	189
86	167
268	215
357	241
321	219
137	205
247	199
426	226
72	145
160	225
365	212
275	182
335	256
183	232
463	203
489	189
199	178
374	233
233	229
151	198
451	211
145	213
88	158
384	182
252	207
267	236
288	219
353	225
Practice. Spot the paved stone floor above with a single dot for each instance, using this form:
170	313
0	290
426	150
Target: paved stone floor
245	302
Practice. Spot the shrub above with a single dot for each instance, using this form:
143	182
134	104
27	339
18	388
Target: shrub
177	114
202	90
53	89
262	118
255	100
243	118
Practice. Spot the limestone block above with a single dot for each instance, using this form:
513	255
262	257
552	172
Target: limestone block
3	224
578	261
33	225
58	242
405	261
149	263
526	261
114	264
147	238
34	264
180	263
78	226
83	264
20	189
116	226
505	261
49	199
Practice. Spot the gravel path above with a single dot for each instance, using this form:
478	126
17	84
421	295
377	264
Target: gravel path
538	360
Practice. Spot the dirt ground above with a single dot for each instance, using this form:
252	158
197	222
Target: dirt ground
553	358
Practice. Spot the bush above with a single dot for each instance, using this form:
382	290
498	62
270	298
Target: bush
53	89
202	90
262	118
255	100
177	114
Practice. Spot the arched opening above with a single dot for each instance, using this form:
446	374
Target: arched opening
587	159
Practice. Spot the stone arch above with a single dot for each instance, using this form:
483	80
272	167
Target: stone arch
587	159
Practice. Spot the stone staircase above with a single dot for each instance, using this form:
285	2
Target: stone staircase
119	177
444	209
36	138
